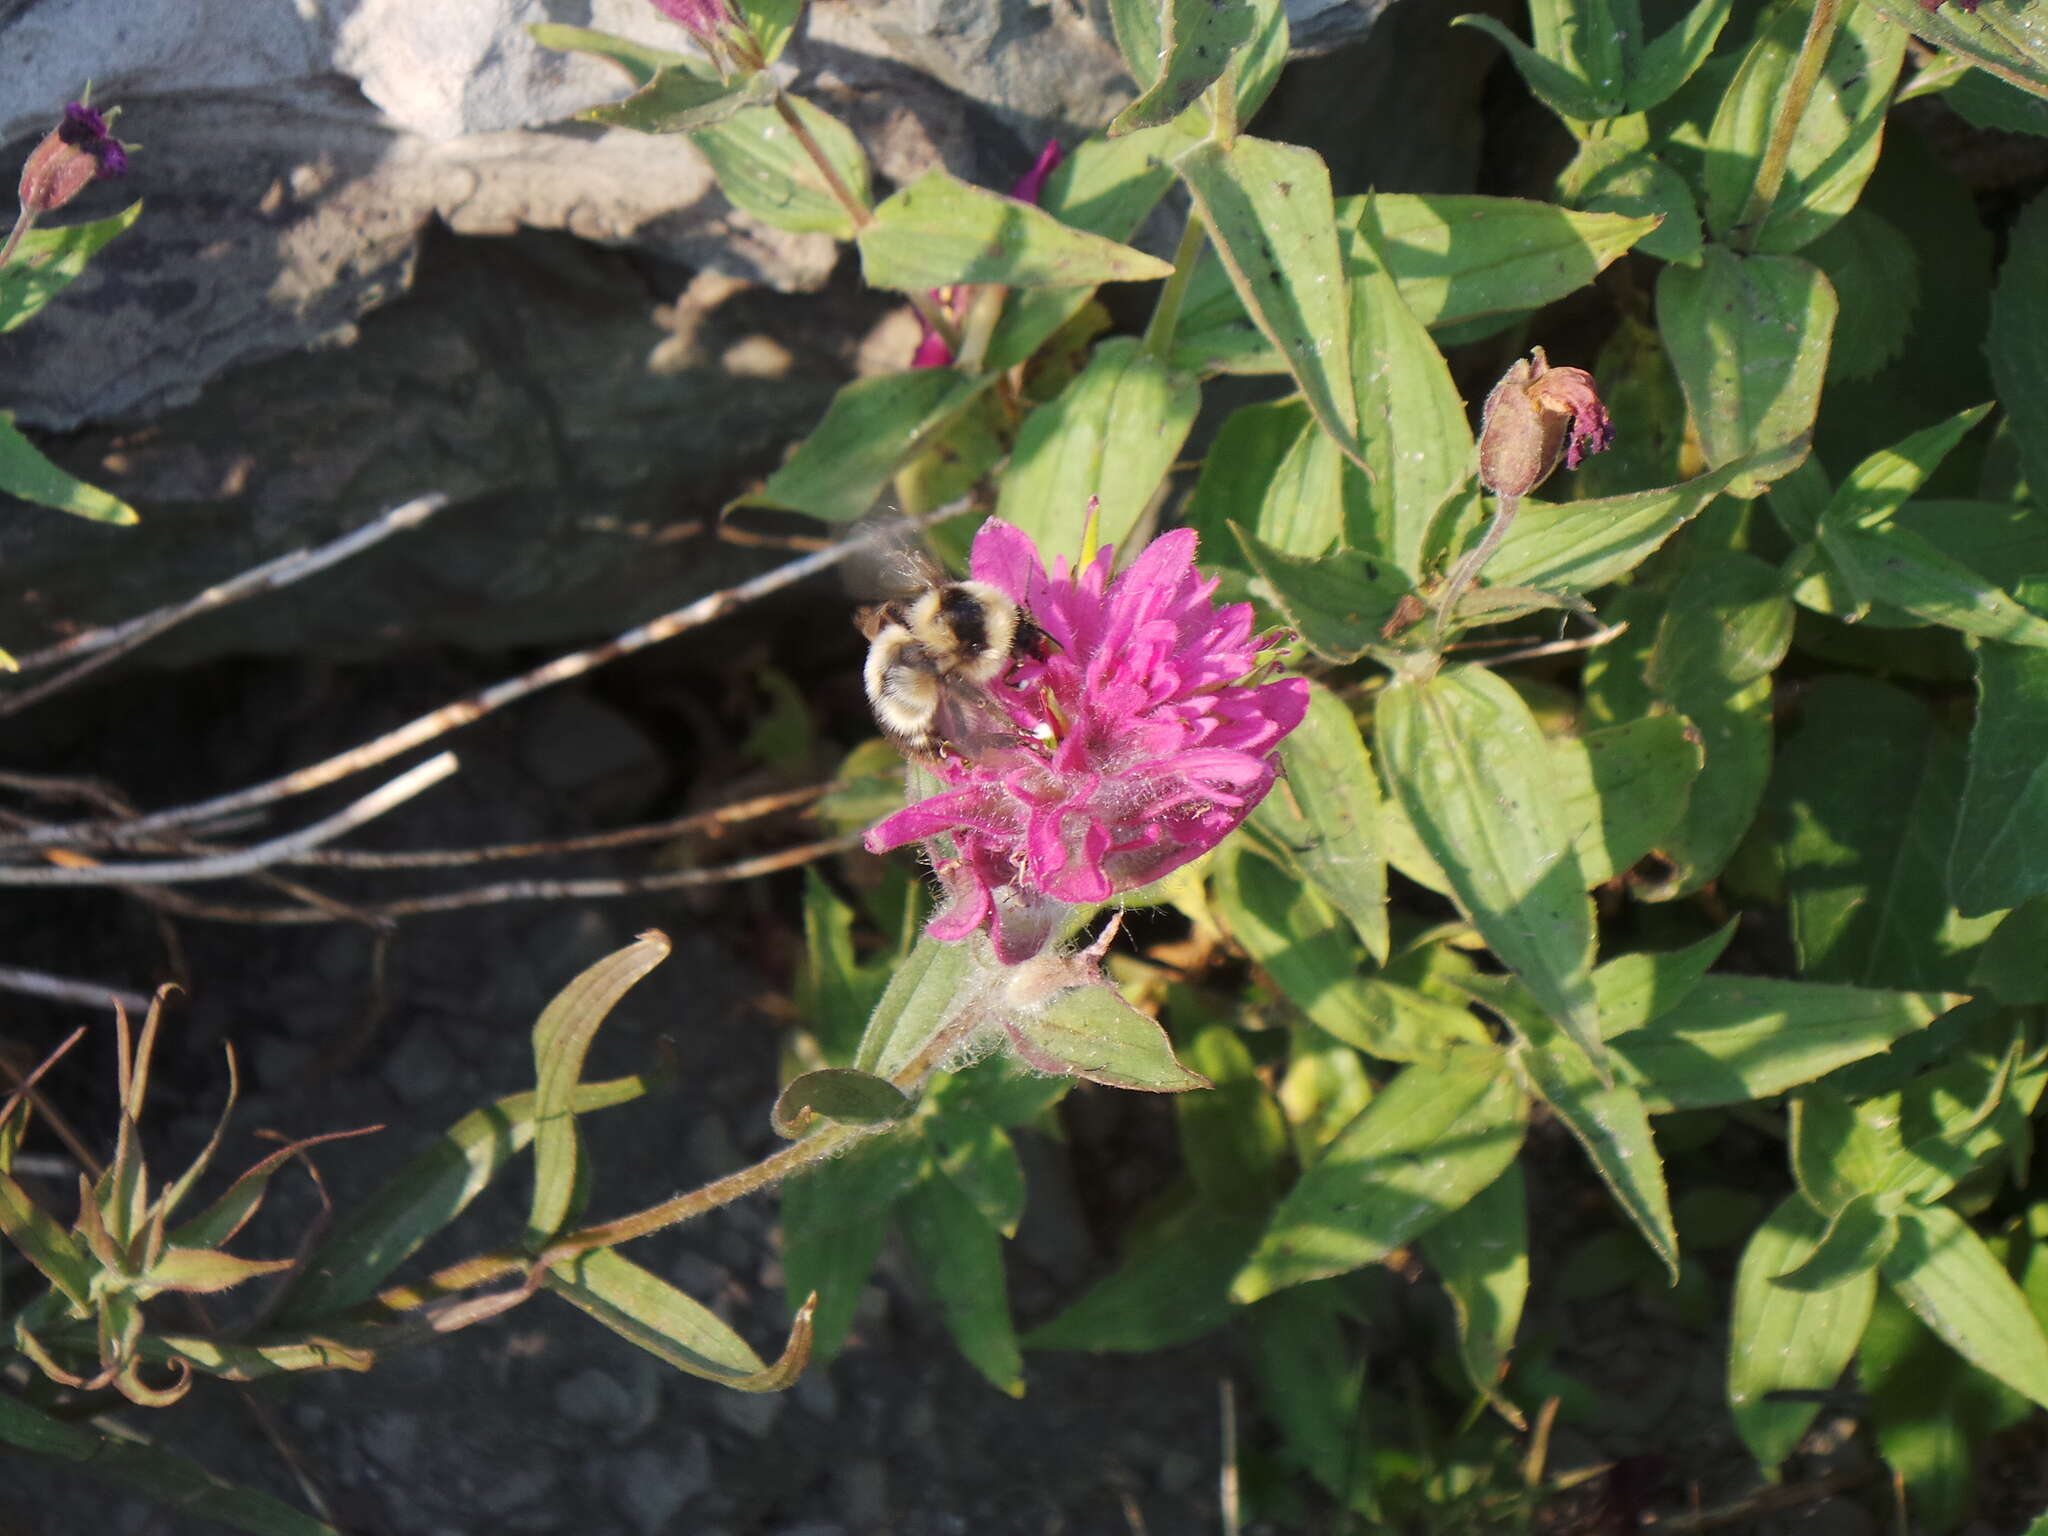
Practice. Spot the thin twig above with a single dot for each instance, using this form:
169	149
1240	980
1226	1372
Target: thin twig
241	861
1599	637
87	994
624	837
489	700
102	646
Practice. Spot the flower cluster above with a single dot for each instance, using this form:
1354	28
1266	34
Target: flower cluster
1142	737
933	350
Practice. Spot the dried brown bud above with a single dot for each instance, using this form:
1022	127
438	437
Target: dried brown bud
76	151
1535	416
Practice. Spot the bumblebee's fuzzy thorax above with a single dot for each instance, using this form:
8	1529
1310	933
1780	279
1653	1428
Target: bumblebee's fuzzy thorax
931	658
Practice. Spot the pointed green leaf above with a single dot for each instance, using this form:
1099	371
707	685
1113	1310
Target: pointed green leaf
978	1157
1876	488
1269	212
1563	90
920	999
1575	546
640	61
1433	1138
1337	603
872	429
371	1241
1200	38
764	170
1613	176
1272	470
1323	816
203	1270
771	21
646	1310
1748	336
961	1258
1783	1340
1667	62
1171	1284
835	1215
1893	564
1418	444
941	230
45	1244
838	1093
678	99
47	260
1467	765
1481	1253
1957	1287
160	1476
2018	337
1112	434
1091	1032
25	472
1624	788
1635	989
1736	1038
1859	1236
561	1039
251	1359
1867	793
227	1215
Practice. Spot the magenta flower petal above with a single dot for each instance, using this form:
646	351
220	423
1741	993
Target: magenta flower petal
1030	187
1142	739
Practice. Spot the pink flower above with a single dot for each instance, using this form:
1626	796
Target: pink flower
703	19
933	350
1141	741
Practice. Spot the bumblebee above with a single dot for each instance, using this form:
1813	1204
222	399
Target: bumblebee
932	656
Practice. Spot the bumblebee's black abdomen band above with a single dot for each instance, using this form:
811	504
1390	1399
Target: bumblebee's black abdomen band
963	614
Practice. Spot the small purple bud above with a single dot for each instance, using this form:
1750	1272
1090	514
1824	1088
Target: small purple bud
78	150
702	19
1536	416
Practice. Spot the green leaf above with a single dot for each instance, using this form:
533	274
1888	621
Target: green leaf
1312	955
1875	271
1876	488
1784	1340
771	21
1667	62
2013	965
26	473
1112	434
1312	1381
1338	604
1481	1253
1859	1236
763	170
1418	444
678	99
1433	1138
646	1310
1274	471
1201	38
1748	337
1992	864
977	1156
941	230
1608	1120
1137	25
1613	176
640	62
1867	793
1564	90
1171	1284
1723	633
2017	340
835	1215
1736	1038
1269	213
372	1240
838	1093
1324	815
227	1215
1467	765
961	1257
1835	145
872	429
160	1476
1634	989
46	261
1957	1287
561	1039
1091	1032
1233	1138
1625	787
920	999
202	1270
1576	546
45	1244
1893	564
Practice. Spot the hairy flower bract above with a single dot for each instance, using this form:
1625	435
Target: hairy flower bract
1142	737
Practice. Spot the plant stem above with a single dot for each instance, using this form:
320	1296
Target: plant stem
856	210
1469	567
1166	314
21	227
1799	88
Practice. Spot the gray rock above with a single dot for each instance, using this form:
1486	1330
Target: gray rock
751	1413
577	745
520	1486
595	1398
420	1070
392	1439
650	1486
860	1490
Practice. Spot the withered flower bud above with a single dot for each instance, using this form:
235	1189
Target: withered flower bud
76	151
1536	416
